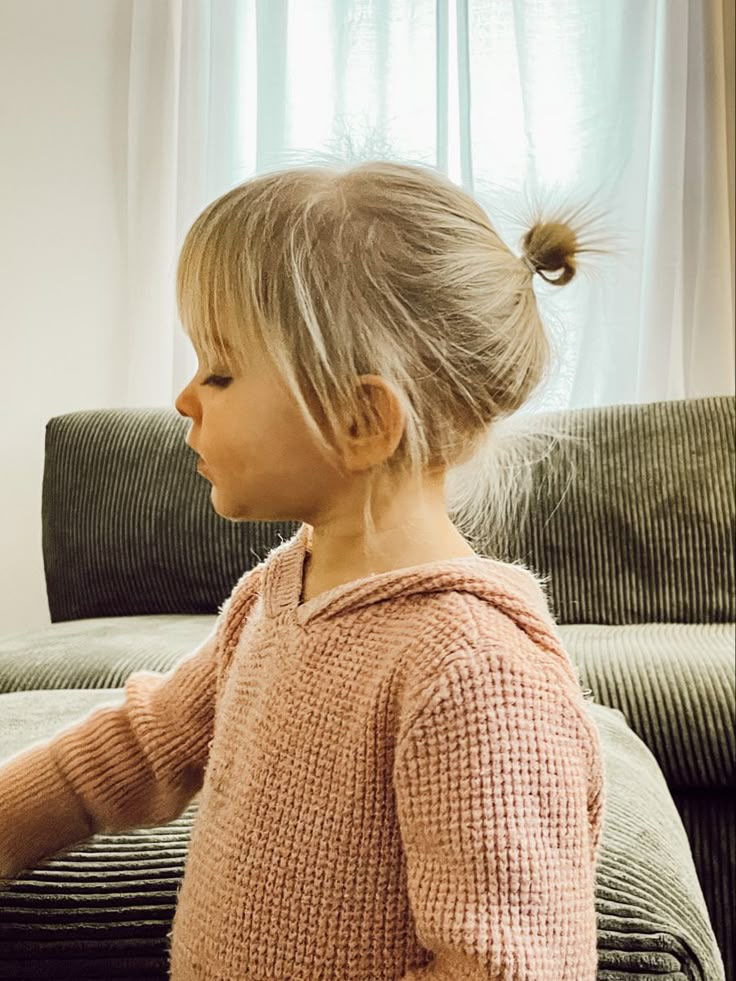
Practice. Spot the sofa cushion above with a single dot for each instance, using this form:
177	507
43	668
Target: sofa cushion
674	684
634	519
97	653
103	908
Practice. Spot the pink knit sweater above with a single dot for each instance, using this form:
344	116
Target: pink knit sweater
398	779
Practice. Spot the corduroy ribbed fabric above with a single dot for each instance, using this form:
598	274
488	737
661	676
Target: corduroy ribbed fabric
398	779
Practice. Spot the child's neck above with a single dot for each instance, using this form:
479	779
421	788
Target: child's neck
325	569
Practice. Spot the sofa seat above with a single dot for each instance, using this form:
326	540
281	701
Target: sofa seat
103	909
98	653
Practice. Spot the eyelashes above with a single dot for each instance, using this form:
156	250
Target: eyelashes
219	381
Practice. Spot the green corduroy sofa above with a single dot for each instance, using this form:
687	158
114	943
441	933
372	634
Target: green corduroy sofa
634	526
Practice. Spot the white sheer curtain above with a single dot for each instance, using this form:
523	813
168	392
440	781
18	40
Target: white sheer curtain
619	104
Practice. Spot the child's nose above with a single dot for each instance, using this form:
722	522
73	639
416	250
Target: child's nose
180	403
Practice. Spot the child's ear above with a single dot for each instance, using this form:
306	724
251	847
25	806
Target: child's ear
375	434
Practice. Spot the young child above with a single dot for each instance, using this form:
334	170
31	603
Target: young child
398	777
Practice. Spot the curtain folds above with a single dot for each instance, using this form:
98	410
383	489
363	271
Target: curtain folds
620	111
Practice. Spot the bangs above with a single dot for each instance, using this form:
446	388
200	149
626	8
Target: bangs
216	313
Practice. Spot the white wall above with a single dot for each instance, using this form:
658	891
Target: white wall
729	31
63	135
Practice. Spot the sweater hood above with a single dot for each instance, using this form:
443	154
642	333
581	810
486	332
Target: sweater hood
512	588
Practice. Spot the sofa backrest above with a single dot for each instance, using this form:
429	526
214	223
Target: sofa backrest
633	524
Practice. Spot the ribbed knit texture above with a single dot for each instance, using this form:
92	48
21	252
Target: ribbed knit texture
399	780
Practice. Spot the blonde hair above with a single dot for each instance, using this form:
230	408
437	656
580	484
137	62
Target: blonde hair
389	269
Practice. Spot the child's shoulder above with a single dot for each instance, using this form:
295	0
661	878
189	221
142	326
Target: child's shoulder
236	607
505	634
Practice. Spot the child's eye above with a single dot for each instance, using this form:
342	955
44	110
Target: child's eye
219	381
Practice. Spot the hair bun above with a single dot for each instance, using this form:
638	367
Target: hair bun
549	247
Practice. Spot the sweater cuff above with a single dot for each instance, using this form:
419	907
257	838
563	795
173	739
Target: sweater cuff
39	813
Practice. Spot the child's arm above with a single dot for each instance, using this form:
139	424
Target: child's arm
499	790
125	766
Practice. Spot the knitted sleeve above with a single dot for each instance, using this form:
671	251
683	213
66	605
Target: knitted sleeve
122	766
498	781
